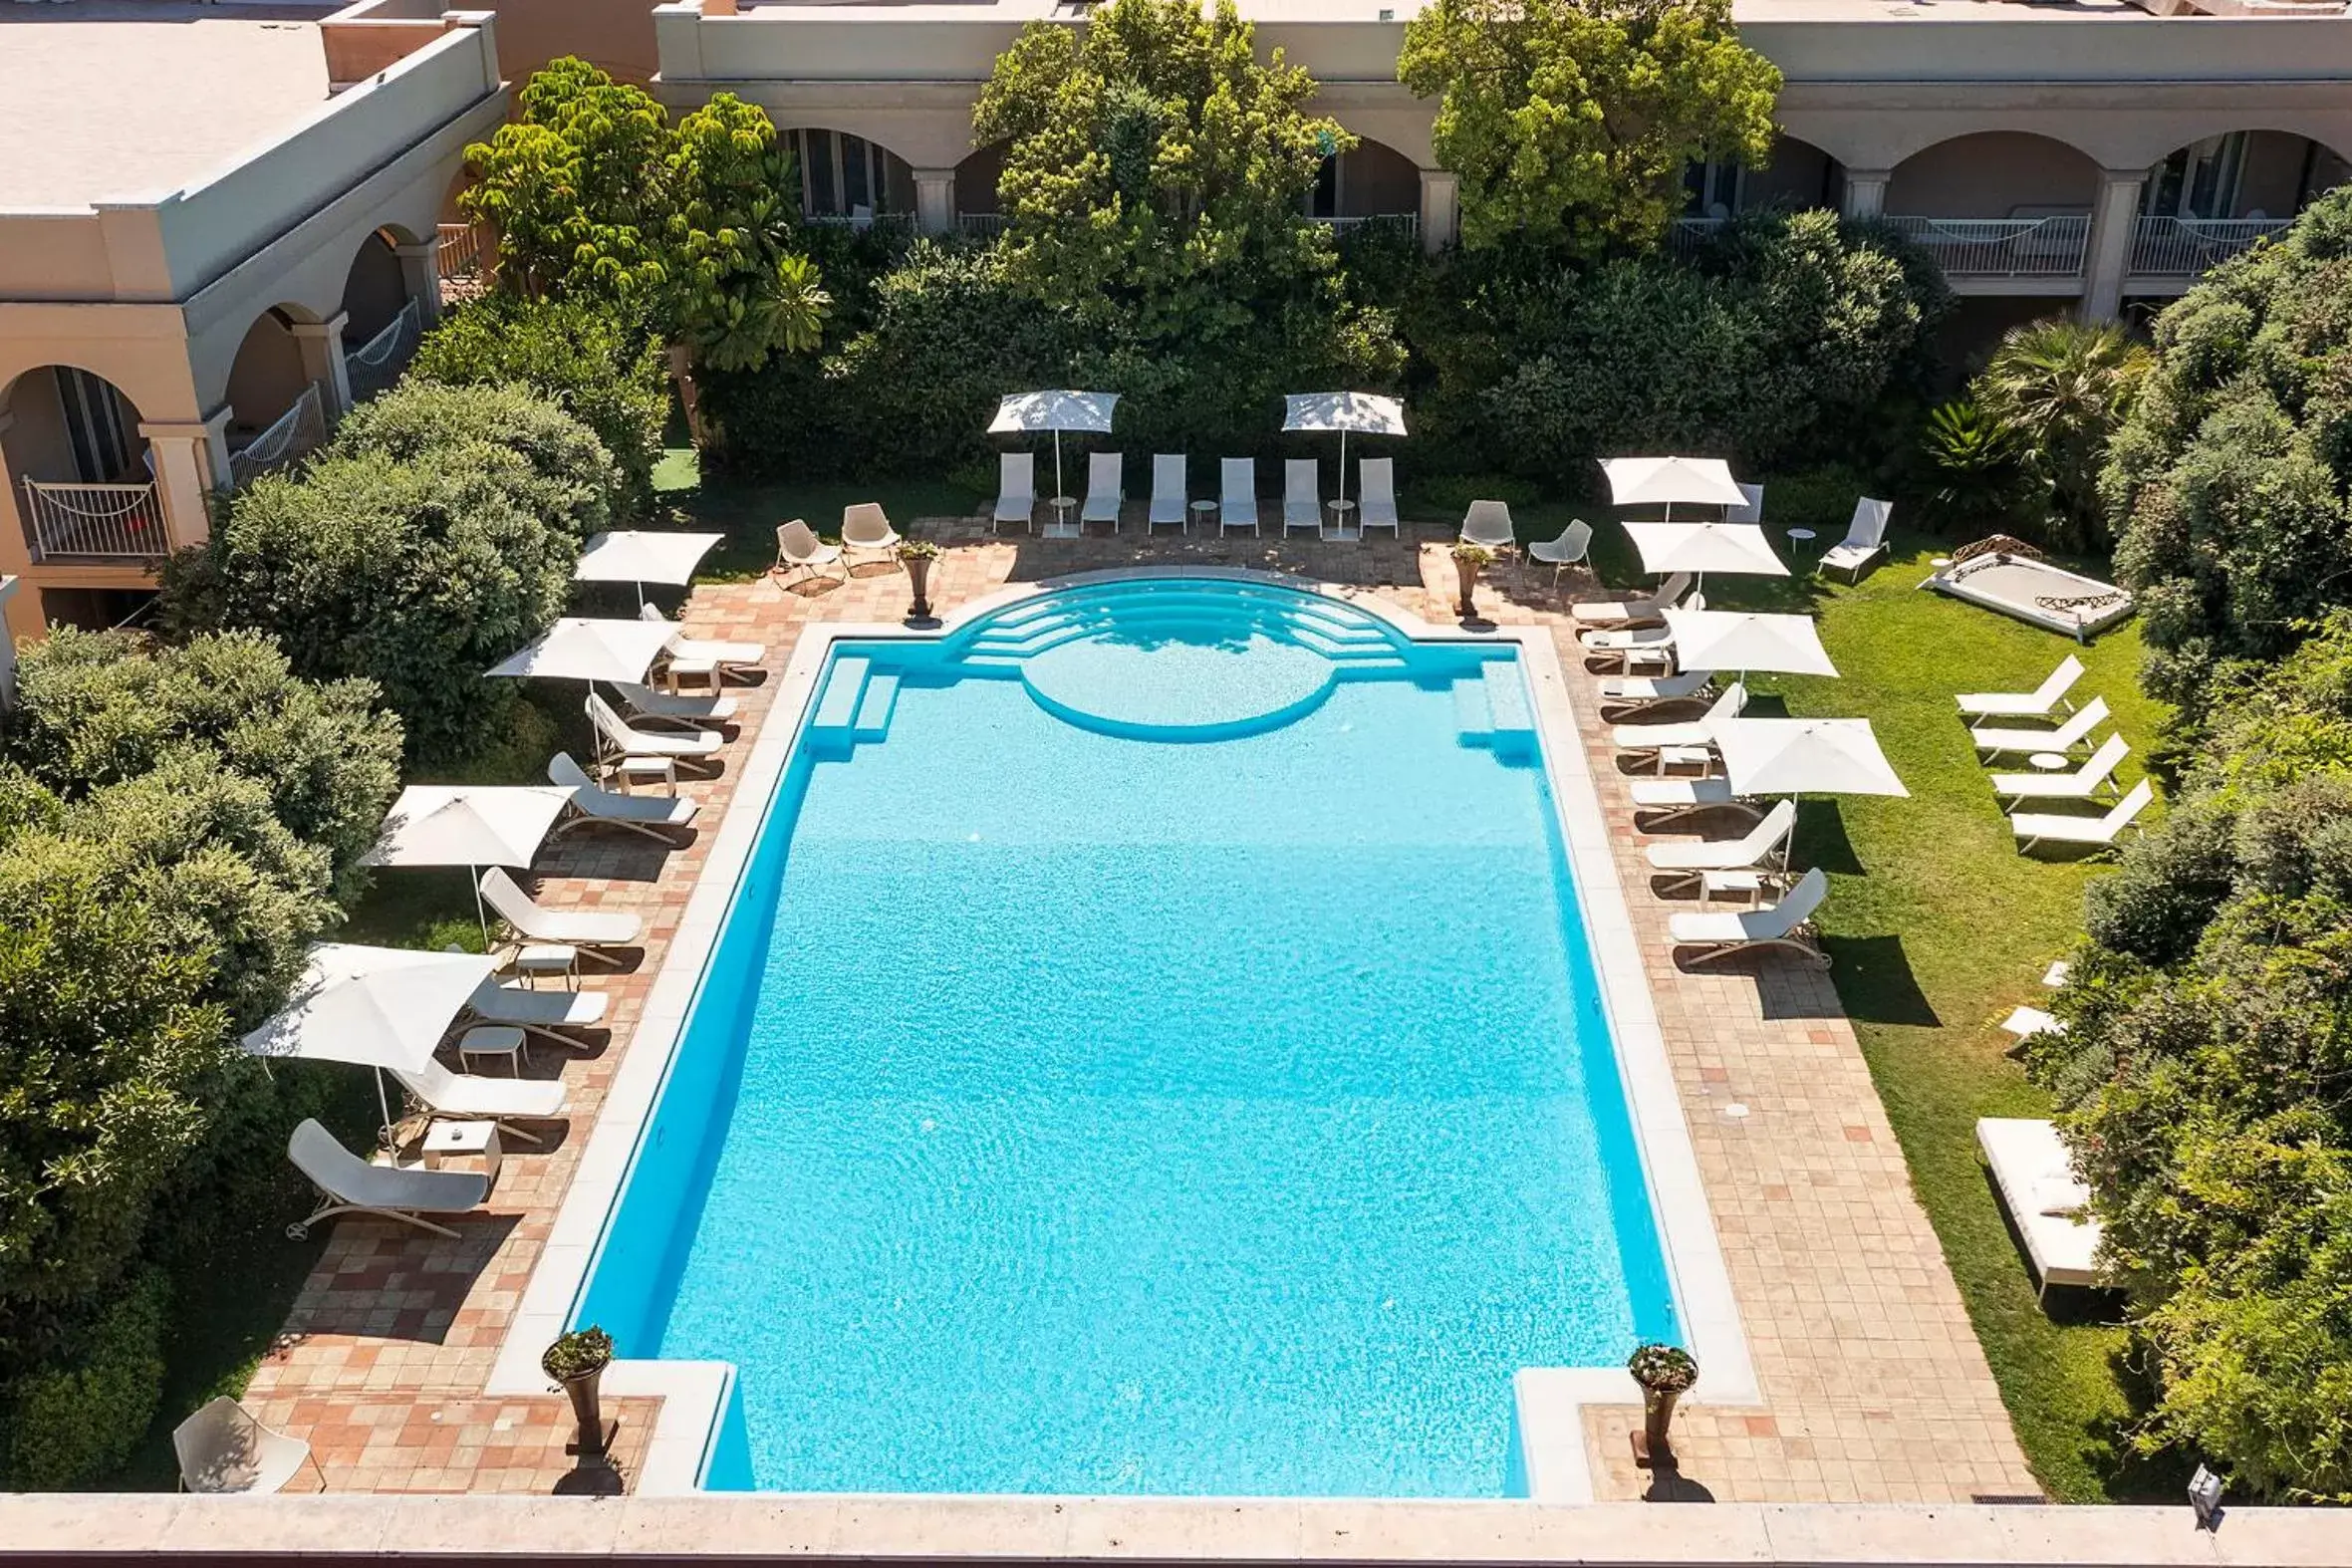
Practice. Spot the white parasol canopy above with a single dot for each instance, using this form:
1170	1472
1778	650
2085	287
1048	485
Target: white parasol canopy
1734	640
578	647
1738	547
1366	413
1056	412
373	1007
469	825
1804	756
1666	481
641	556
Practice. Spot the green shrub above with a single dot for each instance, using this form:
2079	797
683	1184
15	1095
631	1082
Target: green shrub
603	372
77	1422
569	480
1449	494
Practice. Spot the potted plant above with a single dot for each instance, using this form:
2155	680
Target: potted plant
1468	561
577	1361
919	554
1665	1373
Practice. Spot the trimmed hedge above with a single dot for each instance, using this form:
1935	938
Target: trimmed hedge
75	1423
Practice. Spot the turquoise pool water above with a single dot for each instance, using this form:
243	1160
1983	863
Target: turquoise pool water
1153	1049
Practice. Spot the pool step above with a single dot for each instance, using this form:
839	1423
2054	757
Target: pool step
1491	709
854	706
1471	714
1506	697
874	711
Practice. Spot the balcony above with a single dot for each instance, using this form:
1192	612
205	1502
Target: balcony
301	429
95	522
2051	247
2187	247
982	225
377	364
1406	223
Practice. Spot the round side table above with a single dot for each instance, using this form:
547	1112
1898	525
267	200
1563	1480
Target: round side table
1799	539
1201	512
2051	761
1341	512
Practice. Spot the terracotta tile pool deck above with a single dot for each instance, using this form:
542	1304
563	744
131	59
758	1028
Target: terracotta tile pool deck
1874	1387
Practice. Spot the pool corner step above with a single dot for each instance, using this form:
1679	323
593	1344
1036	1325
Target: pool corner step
1506	697
1471	713
832	723
875	708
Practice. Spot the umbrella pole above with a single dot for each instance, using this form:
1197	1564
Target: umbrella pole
384	1134
474	875
1342	467
1058	487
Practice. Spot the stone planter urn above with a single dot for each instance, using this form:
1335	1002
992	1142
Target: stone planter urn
1665	1373
1468	561
578	1362
918	556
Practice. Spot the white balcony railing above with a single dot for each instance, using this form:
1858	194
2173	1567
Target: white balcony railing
458	251
982	225
1408	222
292	434
2049	247
863	220
106	522
1687	234
2184	247
377	364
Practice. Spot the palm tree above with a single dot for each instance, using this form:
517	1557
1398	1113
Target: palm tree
2057	388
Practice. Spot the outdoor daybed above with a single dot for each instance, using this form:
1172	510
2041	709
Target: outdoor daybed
2044	1197
2010	576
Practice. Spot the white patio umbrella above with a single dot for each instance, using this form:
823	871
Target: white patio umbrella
1056	412
641	556
1664	481
1804	756
469	825
1736	548
1735	639
373	1007
1367	412
579	647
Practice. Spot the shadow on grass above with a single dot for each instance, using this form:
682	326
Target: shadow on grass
1822	840
1876	982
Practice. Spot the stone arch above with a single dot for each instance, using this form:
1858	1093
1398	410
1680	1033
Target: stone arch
845	175
977	176
67	423
1993	175
2242	171
374	285
1371	179
273	366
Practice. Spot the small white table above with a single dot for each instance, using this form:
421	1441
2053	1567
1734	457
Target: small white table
1341	512
1799	538
1671	757
494	1041
630	771
1204	512
556	958
2051	761
1061	527
1749	885
681	670
478	1139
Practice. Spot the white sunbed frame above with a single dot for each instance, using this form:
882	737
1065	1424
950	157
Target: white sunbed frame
1954	580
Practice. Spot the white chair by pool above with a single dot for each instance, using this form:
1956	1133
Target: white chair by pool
2066	737
657	817
1302	496
1634	608
1750	510
865	528
2034	829
2048	1202
1690	732
1376	499
461	1097
2038	703
1016	491
2082	784
348	1185
596	932
1170	502
223	1452
1237	505
1751	851
1865	541
1570	549
1642	692
687	710
1684	797
620	740
1631	645
1488	524
1106	489
798	549
718	658
551	1015
1786	925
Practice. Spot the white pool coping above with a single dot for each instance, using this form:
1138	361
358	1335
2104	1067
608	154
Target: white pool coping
1550	1400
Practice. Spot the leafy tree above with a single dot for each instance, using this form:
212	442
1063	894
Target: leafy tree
2226	481
81	1419
570	478
2056	390
1571	122
741	289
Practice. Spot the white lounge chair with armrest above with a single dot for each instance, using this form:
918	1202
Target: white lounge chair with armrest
865	528
687	709
658	817
1783	925
2066	737
1750	851
548	1014
1750	510
462	1097
1170	502
1237	505
2048	1202
1634	609
596	932
798	549
1376	499
1488	524
350	1185
1302	496
1106	489
1631	645
1570	549
1690	732
1679	798
692	748
1016	491
2082	784
2038	703
2038	828
727	659
1865	541
224	1452
1642	693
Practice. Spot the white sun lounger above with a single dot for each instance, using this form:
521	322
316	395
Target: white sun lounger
1631	645
224	1452
465	1098
1375	501
1781	925
1106	489
1648	692
2037	828
1302	496
2066	737
1170	502
1690	732
548	1014
655	816
1237	505
593	932
1750	510
2044	1197
1016	491
1748	852
1865	541
728	659
2026	1023
350	1185
866	527
1683	797
2038	703
800	550
699	711
616	734
2084	782
1633	611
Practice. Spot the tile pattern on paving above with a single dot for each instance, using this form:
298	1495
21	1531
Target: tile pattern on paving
1875	1388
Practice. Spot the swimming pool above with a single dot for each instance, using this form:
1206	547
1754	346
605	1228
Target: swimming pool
1152	1048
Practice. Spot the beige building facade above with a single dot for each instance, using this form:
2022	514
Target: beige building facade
218	227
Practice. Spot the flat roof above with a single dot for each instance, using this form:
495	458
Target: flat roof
106	101
1368	10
